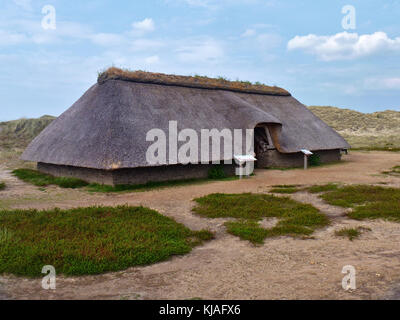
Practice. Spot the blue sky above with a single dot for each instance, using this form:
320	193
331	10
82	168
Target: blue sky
298	45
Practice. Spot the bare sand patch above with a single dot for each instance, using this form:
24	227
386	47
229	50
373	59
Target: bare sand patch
227	267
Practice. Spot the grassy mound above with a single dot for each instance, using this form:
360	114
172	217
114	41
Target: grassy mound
295	218
90	240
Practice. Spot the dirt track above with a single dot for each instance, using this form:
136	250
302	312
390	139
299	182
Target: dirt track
228	268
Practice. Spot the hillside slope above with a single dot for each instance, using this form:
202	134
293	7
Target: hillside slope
378	130
16	135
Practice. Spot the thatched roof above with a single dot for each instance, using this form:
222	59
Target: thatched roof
188	81
106	128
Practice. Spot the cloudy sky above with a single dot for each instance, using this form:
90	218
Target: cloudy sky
300	45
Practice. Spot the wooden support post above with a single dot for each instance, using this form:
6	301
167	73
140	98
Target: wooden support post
305	162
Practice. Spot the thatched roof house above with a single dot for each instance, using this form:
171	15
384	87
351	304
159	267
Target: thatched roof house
102	137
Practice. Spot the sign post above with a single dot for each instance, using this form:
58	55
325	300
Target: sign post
243	159
306	153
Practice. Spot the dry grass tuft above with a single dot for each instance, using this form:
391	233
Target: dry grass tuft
114	73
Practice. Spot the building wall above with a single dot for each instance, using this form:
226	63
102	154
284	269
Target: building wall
273	158
134	175
89	175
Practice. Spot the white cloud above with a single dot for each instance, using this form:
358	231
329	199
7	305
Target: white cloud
152	60
145	44
344	45
207	50
269	40
249	33
9	39
107	39
142	27
391	83
24	4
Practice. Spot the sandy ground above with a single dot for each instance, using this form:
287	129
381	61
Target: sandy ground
227	267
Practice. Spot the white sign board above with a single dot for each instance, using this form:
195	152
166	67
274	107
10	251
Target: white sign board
244	158
306	152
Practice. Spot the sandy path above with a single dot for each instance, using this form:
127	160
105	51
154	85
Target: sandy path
228	268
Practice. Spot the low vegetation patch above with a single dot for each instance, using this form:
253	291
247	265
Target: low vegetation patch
41	179
351	233
368	202
395	171
94	187
90	240
295	218
314	160
2	186
216	172
285	190
322	188
197	81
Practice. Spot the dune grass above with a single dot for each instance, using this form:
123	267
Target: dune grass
295	218
90	240
41	179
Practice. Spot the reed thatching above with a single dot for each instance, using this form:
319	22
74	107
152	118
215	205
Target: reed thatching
106	128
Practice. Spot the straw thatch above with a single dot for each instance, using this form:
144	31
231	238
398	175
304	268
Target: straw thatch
106	128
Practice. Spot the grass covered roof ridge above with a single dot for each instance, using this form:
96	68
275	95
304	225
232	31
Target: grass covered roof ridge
202	82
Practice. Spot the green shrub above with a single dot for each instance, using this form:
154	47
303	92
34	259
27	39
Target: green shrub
314	160
217	172
2	185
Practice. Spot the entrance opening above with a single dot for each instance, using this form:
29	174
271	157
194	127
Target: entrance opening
262	143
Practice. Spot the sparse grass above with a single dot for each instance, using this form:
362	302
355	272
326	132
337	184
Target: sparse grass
94	187
284	190
322	188
2	186
351	233
91	240
295	218
395	171
289	186
368	202
41	179
114	73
